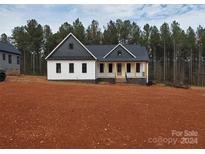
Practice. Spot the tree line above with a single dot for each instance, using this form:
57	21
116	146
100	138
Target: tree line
176	55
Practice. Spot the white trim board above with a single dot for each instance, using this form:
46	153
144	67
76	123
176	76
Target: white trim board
70	34
122	47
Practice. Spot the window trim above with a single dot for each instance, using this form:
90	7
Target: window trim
84	66
18	60
110	65
10	59
130	68
102	64
138	71
4	56
58	68
73	70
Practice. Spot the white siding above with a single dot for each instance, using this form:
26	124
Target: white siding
65	75
132	74
142	69
105	74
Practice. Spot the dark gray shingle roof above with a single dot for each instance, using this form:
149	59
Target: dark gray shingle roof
64	52
100	51
7	47
140	52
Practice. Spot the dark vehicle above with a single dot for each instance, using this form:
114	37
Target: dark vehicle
2	75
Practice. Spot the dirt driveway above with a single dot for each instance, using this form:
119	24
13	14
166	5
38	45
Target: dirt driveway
36	113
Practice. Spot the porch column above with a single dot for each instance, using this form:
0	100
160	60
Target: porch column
147	72
115	70
145	69
125	69
135	72
105	67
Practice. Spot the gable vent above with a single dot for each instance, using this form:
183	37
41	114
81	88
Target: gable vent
71	46
119	53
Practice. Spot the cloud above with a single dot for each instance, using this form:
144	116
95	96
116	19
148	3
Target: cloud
185	15
102	13
55	15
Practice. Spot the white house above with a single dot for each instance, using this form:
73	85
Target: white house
71	60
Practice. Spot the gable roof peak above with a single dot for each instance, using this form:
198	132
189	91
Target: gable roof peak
120	44
70	34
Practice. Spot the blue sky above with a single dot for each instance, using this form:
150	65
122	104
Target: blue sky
55	15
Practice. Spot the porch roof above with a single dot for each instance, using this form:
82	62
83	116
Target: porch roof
140	53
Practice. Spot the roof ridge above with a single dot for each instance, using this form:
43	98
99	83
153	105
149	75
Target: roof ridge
8	47
114	44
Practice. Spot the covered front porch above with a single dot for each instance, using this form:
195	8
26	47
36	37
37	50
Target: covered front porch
120	70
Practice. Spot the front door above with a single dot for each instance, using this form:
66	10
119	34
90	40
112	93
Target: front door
119	69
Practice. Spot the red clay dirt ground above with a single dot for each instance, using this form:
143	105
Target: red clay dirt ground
36	113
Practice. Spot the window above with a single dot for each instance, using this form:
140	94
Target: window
119	53
18	60
4	56
10	59
71	68
58	67
84	68
70	45
119	68
137	67
128	67
110	68
101	68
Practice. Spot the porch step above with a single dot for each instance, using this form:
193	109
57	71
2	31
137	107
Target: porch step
120	80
